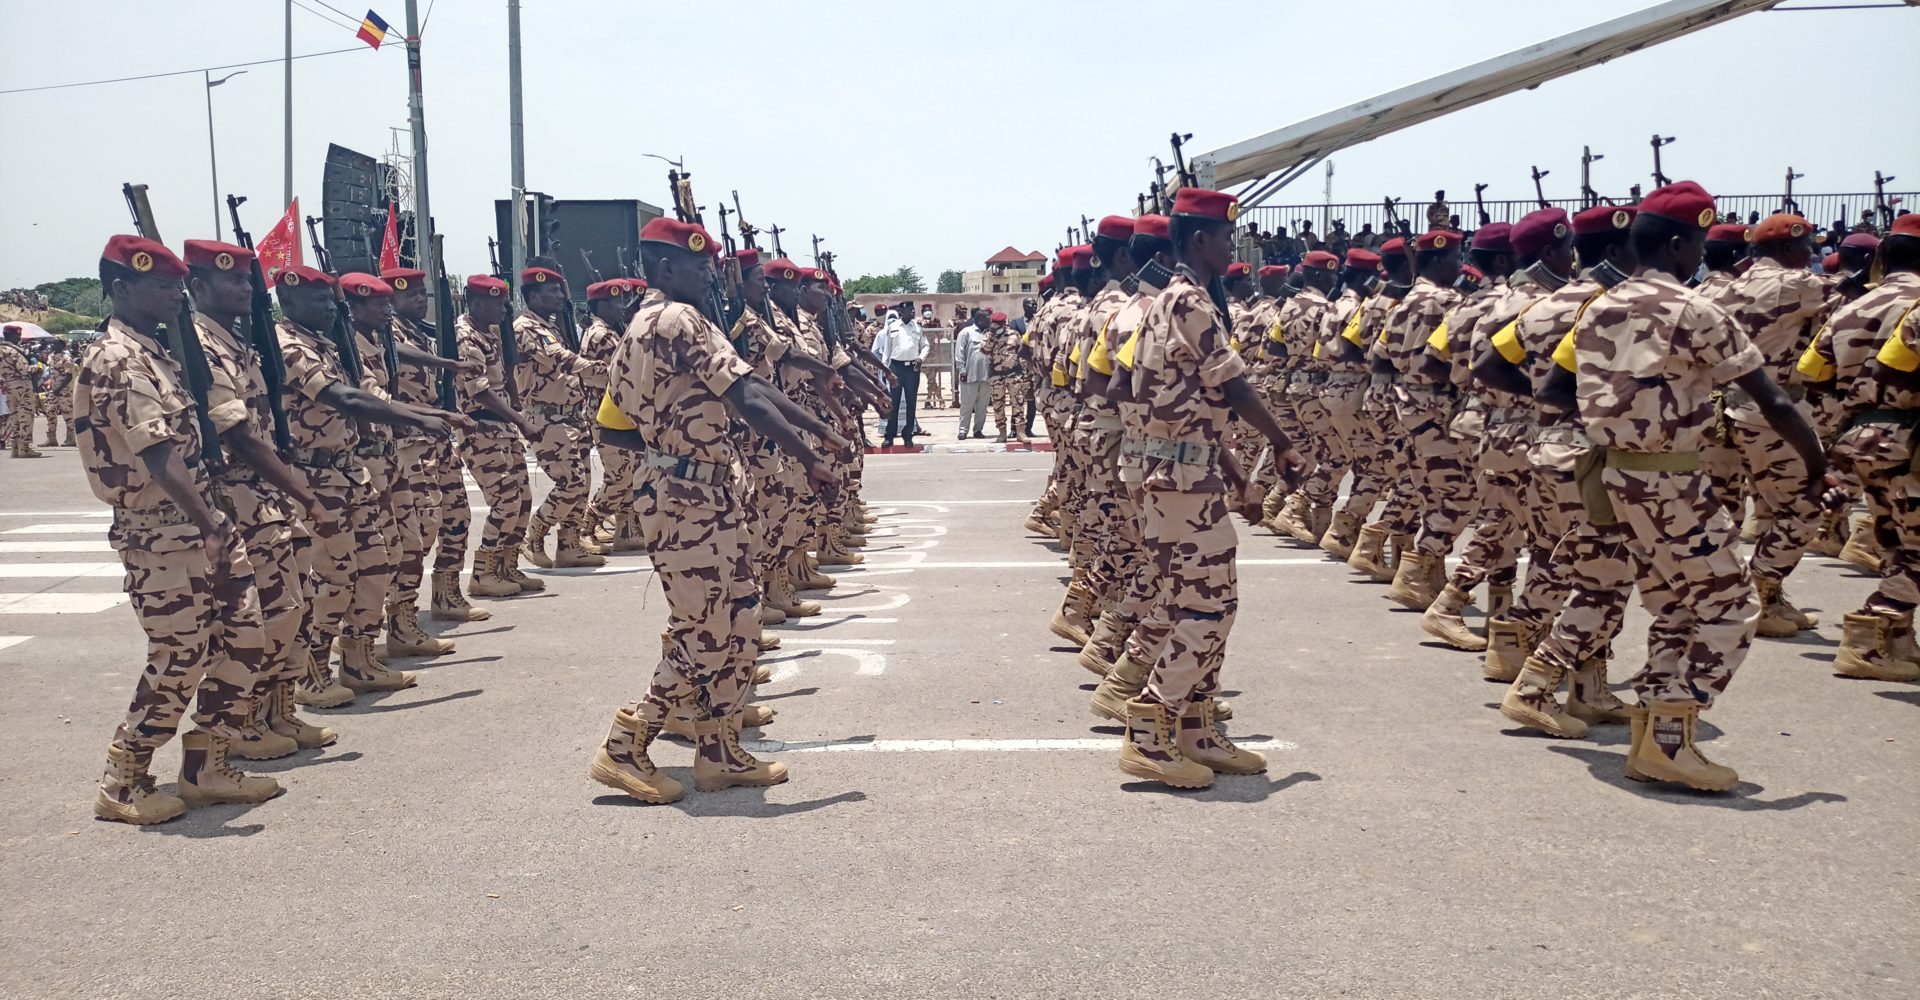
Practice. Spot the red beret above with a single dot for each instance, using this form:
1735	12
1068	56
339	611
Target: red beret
403	278
1906	225
1538	229
364	286
486	286
997	318
1151	225
1274	271
607	289
1780	226
1865	241
685	235
1684	202
1494	237
1239	268
143	256
1366	260
1830	262
1393	246
1079	257
1473	274
635	285
1604	219
1439	239
748	258
216	256
1320	260
812	274
1115	227
783	269
541	276
1046	282
1727	232
1205	204
299	274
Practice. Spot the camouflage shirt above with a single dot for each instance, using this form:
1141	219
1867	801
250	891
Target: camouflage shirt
597	343
15	369
1412	325
129	397
59	376
313	365
1003	351
1180	367
373	378
1854	335
1302	324
1096	332
419	384
1648	356
1780	308
1346	310
1060	330
1528	341
668	378
234	367
481	347
548	373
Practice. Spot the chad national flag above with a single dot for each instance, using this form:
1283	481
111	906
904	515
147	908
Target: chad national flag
373	31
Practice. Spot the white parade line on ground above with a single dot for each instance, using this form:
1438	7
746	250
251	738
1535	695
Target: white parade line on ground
59	604
9	641
89	545
965	745
61	570
57	513
57	529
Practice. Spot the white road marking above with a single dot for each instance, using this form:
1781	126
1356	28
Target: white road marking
963	745
96	512
58	604
901	566
89	545
893	603
60	570
794	639
9	641
57	529
939	503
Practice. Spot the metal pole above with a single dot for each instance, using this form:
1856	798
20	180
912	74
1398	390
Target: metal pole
287	115
213	162
422	215
517	254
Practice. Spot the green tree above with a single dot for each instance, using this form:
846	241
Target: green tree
873	284
75	295
949	282
909	279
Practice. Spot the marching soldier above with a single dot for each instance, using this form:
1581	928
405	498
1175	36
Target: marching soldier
1387	462
496	449
552	379
673	388
59	392
1441	494
608	302
188	577
1344	396
1107	519
1307	512
16	376
1004	376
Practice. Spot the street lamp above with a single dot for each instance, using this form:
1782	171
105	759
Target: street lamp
213	162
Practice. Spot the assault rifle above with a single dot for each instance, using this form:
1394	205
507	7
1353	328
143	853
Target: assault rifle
1588	196
1539	193
266	342
1180	159
1480	204
680	184
1659	178
182	338
740	220
1880	182
569	334
341	333
443	314
1787	204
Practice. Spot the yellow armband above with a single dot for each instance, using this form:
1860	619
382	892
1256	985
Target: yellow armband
1060	377
610	416
1563	354
1130	349
1352	332
1895	353
1100	359
1316	348
1507	342
1440	342
1074	356
1276	335
1234	343
1815	367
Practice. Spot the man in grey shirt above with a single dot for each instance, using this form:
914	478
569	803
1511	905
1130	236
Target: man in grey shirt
971	371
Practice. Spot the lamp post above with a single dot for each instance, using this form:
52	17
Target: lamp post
213	162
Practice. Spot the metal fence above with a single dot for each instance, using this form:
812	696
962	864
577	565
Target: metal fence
1822	210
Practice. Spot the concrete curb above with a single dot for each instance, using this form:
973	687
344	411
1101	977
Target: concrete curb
965	448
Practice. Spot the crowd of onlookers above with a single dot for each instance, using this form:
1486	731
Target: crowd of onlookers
25	299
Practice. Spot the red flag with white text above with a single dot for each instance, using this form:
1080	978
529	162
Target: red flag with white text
390	244
280	248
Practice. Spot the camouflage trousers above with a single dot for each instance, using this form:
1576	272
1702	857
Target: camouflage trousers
444	467
374	569
1692	581
20	422
1364	440
1403	504
697	540
767	505
280	558
352	566
1189	539
1323	447
564	450
615	495
1009	393
1444	490
1593	566
1265	466
1877	456
1107	519
206	643
497	457
416	497
1499	528
1777	478
1552	509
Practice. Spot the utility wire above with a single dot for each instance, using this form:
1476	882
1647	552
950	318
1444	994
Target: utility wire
324	16
181	72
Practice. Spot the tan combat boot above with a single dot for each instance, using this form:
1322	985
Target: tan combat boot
1830	537
1152	752
1103	646
762	673
1499	599
1314	528
781	596
1370	552
766	643
1507	647
509	568
1413	581
1900	640
206	778
448	604
622	763
1589	699
626	535
1665	750
127	792
281	719
1443	621
486	580
1070	621
1532	702
573	553
1774	621
1121	685
1337	541
318	688
769	615
258	741
1862	549
720	762
1866	651
1272	506
535	544
1036	524
681	722
361	673
812	579
1202	741
405	637
831	555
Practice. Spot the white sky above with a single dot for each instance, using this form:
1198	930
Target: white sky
930	134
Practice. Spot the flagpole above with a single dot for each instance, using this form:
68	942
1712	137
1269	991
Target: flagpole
422	215
517	254
287	116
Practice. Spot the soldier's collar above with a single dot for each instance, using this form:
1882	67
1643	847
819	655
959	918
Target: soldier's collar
1606	274
1543	276
1396	290
150	342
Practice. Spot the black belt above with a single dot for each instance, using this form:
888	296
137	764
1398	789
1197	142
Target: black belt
1900	418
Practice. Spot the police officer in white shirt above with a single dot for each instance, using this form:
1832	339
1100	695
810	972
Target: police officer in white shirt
901	346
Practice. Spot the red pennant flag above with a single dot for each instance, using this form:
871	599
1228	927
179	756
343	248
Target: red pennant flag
280	248
390	244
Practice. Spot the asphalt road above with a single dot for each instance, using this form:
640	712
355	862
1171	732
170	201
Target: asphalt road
1405	843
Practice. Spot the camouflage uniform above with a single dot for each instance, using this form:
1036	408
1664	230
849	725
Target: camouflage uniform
1301	325
774	483
440	514
1442	493
804	508
1347	438
59	393
1366	407
16	375
496	455
1006	381
206	642
551	379
1648	356
614	499
1107	520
